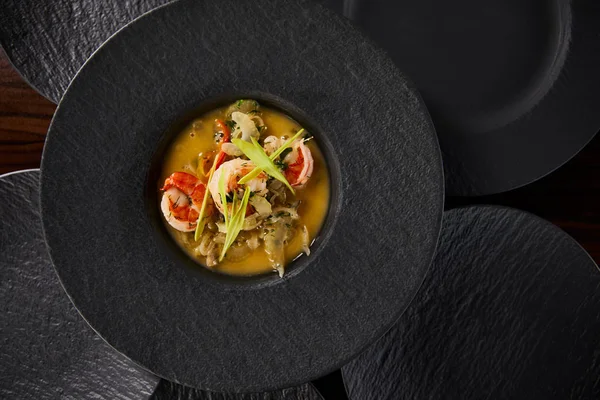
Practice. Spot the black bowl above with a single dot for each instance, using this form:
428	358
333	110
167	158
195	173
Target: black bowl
152	195
214	332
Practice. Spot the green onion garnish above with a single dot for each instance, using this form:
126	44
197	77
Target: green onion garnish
286	144
256	171
235	223
201	222
223	197
256	153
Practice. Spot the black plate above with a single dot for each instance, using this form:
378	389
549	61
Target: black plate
171	391
509	310
48	41
138	290
48	351
511	84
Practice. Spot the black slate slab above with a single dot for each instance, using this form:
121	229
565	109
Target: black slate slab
47	351
509	310
145	296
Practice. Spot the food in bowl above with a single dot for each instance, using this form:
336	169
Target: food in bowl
245	189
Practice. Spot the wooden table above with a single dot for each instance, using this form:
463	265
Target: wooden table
569	197
24	119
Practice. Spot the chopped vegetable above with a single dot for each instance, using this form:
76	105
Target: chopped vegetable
235	223
261	205
243	105
274	246
256	153
250	223
305	240
201	221
231	150
245	127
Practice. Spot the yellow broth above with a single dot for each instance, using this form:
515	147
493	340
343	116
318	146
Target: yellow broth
197	139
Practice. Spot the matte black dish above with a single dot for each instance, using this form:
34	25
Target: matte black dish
48	350
171	391
510	309
48	40
220	334
512	85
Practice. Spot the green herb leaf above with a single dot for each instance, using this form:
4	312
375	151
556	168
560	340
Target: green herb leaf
256	153
256	171
235	222
281	165
223	197
286	144
201	220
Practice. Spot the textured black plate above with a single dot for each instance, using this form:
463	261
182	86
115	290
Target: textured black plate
49	40
171	391
509	310
47	350
130	282
512	85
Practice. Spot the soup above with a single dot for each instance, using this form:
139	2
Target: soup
244	189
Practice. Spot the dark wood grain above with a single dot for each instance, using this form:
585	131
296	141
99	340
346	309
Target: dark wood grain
569	197
24	119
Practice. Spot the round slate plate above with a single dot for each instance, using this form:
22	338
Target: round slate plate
49	40
137	289
171	391
510	309
512	85
47	349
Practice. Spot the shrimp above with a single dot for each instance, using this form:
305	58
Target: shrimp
271	144
182	200
234	170
299	161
